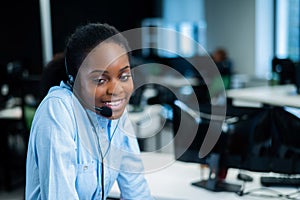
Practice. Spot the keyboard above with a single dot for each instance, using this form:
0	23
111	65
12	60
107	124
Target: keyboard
280	181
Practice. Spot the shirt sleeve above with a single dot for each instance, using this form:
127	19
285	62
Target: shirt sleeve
133	185
53	149
131	180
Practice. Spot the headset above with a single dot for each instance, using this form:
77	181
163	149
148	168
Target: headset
104	110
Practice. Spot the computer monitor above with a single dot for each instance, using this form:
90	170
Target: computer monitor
178	67
286	137
263	139
285	68
297	77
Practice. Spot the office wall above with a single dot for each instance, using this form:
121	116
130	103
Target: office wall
231	24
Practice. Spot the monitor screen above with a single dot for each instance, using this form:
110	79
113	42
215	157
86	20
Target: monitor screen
286	137
285	68
263	139
297	77
235	136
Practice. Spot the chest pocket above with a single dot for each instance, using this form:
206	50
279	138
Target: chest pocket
86	182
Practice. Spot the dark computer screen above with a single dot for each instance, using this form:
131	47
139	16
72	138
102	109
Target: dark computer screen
285	68
264	139
297	77
286	137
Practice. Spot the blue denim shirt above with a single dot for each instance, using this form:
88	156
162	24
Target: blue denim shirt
67	148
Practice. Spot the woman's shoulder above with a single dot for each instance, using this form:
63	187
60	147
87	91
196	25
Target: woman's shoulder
55	116
57	99
61	92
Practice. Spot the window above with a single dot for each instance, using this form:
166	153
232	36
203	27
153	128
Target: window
287	29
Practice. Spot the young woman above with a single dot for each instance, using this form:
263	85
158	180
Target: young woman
81	139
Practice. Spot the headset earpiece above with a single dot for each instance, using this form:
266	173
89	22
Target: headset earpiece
71	80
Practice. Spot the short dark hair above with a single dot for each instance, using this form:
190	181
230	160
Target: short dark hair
87	37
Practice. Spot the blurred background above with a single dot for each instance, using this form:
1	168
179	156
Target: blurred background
251	31
249	34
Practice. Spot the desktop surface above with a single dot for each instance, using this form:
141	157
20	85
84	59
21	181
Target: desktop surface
279	95
172	180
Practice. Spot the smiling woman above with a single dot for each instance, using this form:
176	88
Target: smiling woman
104	78
75	150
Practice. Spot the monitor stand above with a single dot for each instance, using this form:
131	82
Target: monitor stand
213	182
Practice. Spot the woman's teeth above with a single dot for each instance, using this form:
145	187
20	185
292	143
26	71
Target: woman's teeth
113	103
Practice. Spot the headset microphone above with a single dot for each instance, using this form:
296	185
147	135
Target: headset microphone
104	111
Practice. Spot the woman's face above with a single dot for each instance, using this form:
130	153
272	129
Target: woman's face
104	79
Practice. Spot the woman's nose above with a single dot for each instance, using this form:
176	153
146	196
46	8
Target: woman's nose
114	87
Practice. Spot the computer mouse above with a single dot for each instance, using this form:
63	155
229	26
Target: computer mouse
244	177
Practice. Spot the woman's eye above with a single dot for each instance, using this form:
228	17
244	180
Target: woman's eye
100	81
125	77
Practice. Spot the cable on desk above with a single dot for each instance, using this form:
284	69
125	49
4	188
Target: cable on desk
294	193
273	193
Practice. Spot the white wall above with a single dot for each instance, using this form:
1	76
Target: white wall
264	38
231	24
243	27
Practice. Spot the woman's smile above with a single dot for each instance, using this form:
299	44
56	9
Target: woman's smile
115	104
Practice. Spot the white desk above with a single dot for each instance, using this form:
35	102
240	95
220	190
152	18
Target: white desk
13	109
172	181
11	113
281	95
